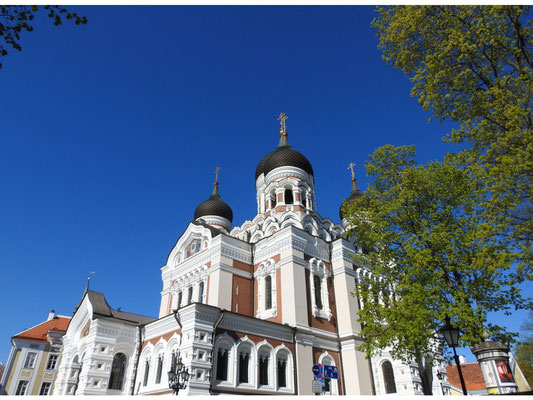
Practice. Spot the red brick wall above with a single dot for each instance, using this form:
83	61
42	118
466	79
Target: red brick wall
166	337
243	299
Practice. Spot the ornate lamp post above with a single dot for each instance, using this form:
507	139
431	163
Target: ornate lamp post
178	376
451	335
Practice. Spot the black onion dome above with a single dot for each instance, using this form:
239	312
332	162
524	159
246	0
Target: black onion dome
355	194
283	156
260	166
214	206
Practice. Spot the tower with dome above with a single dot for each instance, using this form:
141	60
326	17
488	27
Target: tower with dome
248	309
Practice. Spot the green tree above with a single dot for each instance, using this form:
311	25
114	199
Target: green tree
524	350
474	65
16	19
430	256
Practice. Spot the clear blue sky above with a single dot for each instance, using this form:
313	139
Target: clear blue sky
110	133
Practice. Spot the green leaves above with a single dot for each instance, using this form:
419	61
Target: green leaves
16	19
473	65
435	246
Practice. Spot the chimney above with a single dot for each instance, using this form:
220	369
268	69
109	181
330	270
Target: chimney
462	359
51	315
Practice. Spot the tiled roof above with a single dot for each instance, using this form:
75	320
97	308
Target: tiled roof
40	331
471	373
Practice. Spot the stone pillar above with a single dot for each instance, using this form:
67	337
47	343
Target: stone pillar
493	358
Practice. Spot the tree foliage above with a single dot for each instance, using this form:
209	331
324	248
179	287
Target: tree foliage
430	256
474	65
524	350
16	19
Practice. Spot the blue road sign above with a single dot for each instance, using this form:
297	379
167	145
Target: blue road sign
322	382
317	370
331	372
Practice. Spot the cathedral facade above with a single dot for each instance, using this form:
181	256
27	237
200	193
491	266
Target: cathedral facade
247	309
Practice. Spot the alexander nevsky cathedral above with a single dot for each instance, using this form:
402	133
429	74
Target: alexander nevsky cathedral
246	310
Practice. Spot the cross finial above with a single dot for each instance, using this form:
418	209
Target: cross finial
283	130
350	167
216	174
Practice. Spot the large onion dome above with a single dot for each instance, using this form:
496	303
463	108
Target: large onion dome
283	156
355	194
214	206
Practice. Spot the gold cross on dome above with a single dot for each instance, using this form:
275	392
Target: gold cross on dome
350	166
282	117
216	174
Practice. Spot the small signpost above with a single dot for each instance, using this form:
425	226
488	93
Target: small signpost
317	370
318	382
317	385
330	371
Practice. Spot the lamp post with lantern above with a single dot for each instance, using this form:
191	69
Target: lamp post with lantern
178	376
451	335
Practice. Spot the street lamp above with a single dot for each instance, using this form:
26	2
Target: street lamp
451	335
178	376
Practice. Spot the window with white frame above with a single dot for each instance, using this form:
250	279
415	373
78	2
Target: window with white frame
201	286
388	377
224	359
21	388
45	388
245	355
180	298
146	371
118	371
264	366
30	359
189	295
159	371
222	364
52	361
266	290
281	366
318	279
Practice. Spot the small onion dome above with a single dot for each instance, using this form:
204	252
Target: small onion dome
283	156
214	206
355	194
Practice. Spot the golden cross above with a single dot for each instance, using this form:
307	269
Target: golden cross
350	166
282	117
216	174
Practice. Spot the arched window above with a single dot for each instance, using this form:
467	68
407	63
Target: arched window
201	292
272	199
118	370
174	359
304	198
268	292
388	377
180	297
189	297
282	371
263	368
146	372
222	364
318	291
159	369
289	199
244	361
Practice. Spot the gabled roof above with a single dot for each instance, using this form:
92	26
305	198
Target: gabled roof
471	373
39	332
101	308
